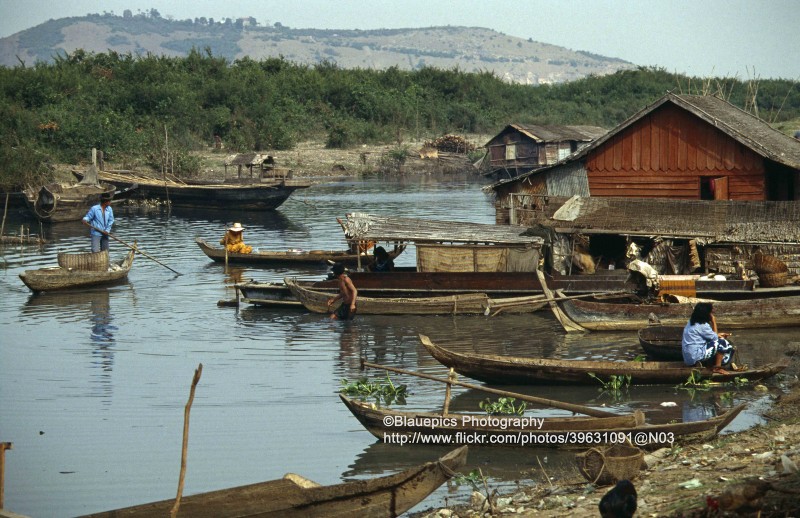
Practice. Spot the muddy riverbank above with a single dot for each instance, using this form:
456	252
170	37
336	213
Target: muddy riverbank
749	473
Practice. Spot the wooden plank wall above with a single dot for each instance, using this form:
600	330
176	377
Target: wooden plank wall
666	153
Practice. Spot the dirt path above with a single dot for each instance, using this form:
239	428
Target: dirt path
749	473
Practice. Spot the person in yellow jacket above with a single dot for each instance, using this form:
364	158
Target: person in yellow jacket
233	240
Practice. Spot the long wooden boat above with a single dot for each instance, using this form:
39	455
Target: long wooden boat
296	496
405	282
459	304
397	426
266	194
321	257
516	370
733	314
65	278
58	202
662	342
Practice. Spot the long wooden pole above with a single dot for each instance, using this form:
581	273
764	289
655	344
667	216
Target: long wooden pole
135	248
174	512
3	447
572	407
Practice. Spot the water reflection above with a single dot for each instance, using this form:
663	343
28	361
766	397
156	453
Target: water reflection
92	307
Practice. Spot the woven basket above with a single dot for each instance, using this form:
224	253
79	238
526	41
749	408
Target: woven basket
768	264
606	465
90	261
773	280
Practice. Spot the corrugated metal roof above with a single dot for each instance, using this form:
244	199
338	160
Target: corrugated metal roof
717	221
363	227
743	127
548	133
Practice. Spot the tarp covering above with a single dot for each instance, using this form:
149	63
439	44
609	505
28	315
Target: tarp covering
466	258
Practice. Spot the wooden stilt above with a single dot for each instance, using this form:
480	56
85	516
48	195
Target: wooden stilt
3	447
450	378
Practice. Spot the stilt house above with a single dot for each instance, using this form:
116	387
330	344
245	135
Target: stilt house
681	147
521	148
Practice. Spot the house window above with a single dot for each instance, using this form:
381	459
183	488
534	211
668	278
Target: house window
511	152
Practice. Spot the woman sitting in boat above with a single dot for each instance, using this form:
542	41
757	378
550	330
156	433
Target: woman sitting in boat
233	240
701	342
383	261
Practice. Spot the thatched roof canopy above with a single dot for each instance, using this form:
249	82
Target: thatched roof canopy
711	221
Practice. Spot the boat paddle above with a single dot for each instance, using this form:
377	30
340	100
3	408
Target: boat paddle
135	249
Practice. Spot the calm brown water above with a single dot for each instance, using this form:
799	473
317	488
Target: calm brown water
93	384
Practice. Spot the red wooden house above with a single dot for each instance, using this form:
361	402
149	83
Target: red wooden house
680	147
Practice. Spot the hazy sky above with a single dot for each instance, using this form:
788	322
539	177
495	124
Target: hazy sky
725	38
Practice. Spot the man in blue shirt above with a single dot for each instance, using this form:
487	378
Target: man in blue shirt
100	218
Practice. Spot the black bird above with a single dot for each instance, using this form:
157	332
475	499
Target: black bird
619	502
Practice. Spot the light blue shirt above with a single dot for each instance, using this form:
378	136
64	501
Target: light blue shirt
96	218
695	338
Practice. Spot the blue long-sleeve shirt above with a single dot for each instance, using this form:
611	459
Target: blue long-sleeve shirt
98	218
695	338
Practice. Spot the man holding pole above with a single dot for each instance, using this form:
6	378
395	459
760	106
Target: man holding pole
99	219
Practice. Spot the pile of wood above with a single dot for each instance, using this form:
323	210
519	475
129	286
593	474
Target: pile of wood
451	144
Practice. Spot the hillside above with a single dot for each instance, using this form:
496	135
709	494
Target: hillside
470	49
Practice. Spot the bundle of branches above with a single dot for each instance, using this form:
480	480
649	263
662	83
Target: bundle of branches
451	144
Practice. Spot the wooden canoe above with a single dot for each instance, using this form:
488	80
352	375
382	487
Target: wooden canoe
295	496
560	432
516	370
58	202
321	257
461	304
732	314
63	278
662	342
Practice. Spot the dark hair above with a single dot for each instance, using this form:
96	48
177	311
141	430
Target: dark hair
338	269
381	252
106	196
701	313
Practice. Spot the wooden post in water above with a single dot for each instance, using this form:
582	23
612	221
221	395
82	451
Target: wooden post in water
450	378
174	512
3	447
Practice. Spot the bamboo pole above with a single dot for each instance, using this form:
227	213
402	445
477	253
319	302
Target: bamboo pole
135	248
572	407
174	511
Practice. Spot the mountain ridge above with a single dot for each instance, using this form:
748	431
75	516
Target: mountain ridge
470	49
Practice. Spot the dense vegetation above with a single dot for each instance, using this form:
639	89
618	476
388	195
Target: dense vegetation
131	106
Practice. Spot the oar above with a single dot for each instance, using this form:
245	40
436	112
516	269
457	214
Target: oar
531	399
135	248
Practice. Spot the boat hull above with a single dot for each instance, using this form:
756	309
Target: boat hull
294	496
579	432
59	279
259	196
56	203
516	370
320	257
662	342
733	314
458	304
